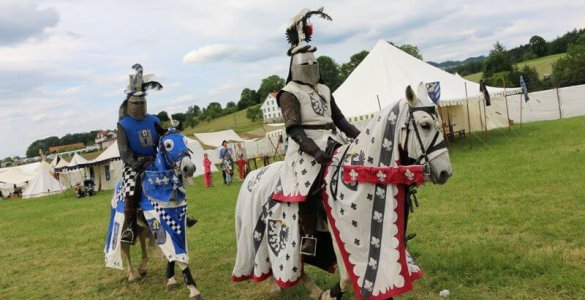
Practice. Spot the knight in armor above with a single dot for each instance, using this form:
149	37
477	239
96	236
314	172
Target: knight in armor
138	137
311	119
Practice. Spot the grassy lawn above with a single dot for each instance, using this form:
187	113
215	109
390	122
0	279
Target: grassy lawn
543	65
508	225
240	124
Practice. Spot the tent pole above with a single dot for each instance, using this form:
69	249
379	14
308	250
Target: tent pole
480	118
448	142
520	110
507	111
485	120
468	118
379	106
559	102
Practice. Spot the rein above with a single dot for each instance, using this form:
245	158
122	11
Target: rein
432	146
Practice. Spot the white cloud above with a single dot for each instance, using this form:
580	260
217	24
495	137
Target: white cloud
66	68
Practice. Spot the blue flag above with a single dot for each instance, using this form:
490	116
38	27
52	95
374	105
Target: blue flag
524	89
434	91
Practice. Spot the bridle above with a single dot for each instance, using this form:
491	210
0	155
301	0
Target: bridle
166	158
433	146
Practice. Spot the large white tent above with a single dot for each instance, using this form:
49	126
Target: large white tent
214	139
197	156
381	78
43	183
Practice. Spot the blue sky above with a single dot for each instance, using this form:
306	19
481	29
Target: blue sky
64	64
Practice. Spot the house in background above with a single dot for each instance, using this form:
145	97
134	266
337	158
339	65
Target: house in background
105	138
270	110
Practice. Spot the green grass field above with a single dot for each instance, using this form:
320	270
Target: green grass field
239	123
543	66
508	225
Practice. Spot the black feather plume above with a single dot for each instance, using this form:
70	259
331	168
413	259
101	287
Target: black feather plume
137	67
152	85
292	35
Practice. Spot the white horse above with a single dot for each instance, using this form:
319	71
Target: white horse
366	191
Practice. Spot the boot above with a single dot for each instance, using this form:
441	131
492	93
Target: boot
128	233
308	241
129	221
191	221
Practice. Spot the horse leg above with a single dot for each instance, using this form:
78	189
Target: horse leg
194	294
274	288
142	268
344	284
171	281
132	275
314	291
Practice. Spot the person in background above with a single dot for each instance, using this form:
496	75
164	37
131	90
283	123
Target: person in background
241	162
207	171
224	152
228	168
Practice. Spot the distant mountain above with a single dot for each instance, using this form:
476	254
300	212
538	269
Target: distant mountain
453	63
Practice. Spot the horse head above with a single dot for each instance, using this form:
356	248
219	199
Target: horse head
422	138
173	154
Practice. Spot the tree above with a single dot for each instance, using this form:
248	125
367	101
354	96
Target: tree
214	110
269	84
349	66
181	118
163	116
538	45
254	113
329	72
248	98
570	69
230	107
497	61
412	50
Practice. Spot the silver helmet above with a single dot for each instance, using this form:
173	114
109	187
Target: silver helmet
305	68
136	107
135	104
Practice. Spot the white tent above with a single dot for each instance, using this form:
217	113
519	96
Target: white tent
43	183
16	175
106	168
382	77
214	139
76	162
197	156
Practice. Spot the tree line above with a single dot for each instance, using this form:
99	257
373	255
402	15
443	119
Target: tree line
499	67
88	138
332	73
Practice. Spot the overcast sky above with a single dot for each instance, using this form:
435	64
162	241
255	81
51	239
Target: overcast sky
64	64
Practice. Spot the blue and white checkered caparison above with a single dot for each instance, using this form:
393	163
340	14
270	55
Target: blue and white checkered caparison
176	227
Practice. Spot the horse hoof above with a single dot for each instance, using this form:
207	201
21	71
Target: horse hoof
198	297
325	295
172	286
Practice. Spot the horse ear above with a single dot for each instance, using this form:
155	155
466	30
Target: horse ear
410	96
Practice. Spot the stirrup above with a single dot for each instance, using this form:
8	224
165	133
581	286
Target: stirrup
309	237
131	240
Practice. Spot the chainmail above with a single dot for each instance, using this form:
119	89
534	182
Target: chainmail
291	109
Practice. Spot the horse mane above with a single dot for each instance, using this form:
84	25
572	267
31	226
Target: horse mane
379	139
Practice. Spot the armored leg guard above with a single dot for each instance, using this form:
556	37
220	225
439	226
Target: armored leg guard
170	269
188	277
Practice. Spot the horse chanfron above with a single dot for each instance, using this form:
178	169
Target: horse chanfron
423	139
